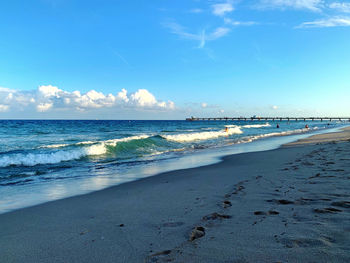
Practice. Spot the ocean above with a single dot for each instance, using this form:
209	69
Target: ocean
45	160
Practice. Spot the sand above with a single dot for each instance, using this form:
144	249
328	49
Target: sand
286	205
343	135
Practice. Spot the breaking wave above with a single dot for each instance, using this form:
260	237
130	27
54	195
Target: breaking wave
256	125
273	134
249	126
199	136
93	149
31	159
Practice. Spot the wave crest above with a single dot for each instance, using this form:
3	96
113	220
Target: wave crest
200	136
31	159
273	134
249	125
256	125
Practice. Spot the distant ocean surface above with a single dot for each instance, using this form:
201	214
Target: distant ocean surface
42	160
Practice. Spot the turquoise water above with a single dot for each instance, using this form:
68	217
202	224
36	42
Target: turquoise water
49	159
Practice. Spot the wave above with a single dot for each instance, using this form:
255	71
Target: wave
54	145
200	136
106	142
273	134
94	149
31	159
249	125
129	147
256	125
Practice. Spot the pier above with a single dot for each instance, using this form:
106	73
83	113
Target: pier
270	119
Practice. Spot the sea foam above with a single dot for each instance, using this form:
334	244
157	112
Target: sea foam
93	149
256	125
199	136
273	134
249	126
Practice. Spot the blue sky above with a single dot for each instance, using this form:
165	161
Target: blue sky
165	59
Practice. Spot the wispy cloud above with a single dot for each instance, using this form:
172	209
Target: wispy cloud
328	22
180	31
334	19
231	22
222	8
121	58
196	10
202	37
218	33
341	6
312	5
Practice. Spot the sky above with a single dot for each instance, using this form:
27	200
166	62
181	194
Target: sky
166	59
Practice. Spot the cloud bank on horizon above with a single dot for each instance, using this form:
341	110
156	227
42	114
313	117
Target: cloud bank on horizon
48	98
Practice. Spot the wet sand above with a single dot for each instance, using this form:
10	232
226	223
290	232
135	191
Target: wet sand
286	205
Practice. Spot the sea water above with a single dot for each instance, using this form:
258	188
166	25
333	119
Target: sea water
44	160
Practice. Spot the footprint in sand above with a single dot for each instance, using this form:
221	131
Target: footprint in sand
281	201
214	216
307	163
271	212
162	255
226	204
314	176
239	188
327	210
344	204
197	232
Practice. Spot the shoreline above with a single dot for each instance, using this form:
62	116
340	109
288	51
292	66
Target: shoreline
238	205
23	196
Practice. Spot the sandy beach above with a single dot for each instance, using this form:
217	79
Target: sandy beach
291	204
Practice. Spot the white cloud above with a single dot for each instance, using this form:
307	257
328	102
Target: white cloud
222	8
218	33
274	107
50	98
328	22
341	6
181	31
91	99
143	98
312	5
49	91
171	105
231	22
3	108
196	10
6	90
123	95
221	111
202	36
204	105
41	107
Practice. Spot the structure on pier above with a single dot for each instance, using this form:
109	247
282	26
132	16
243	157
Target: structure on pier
270	119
